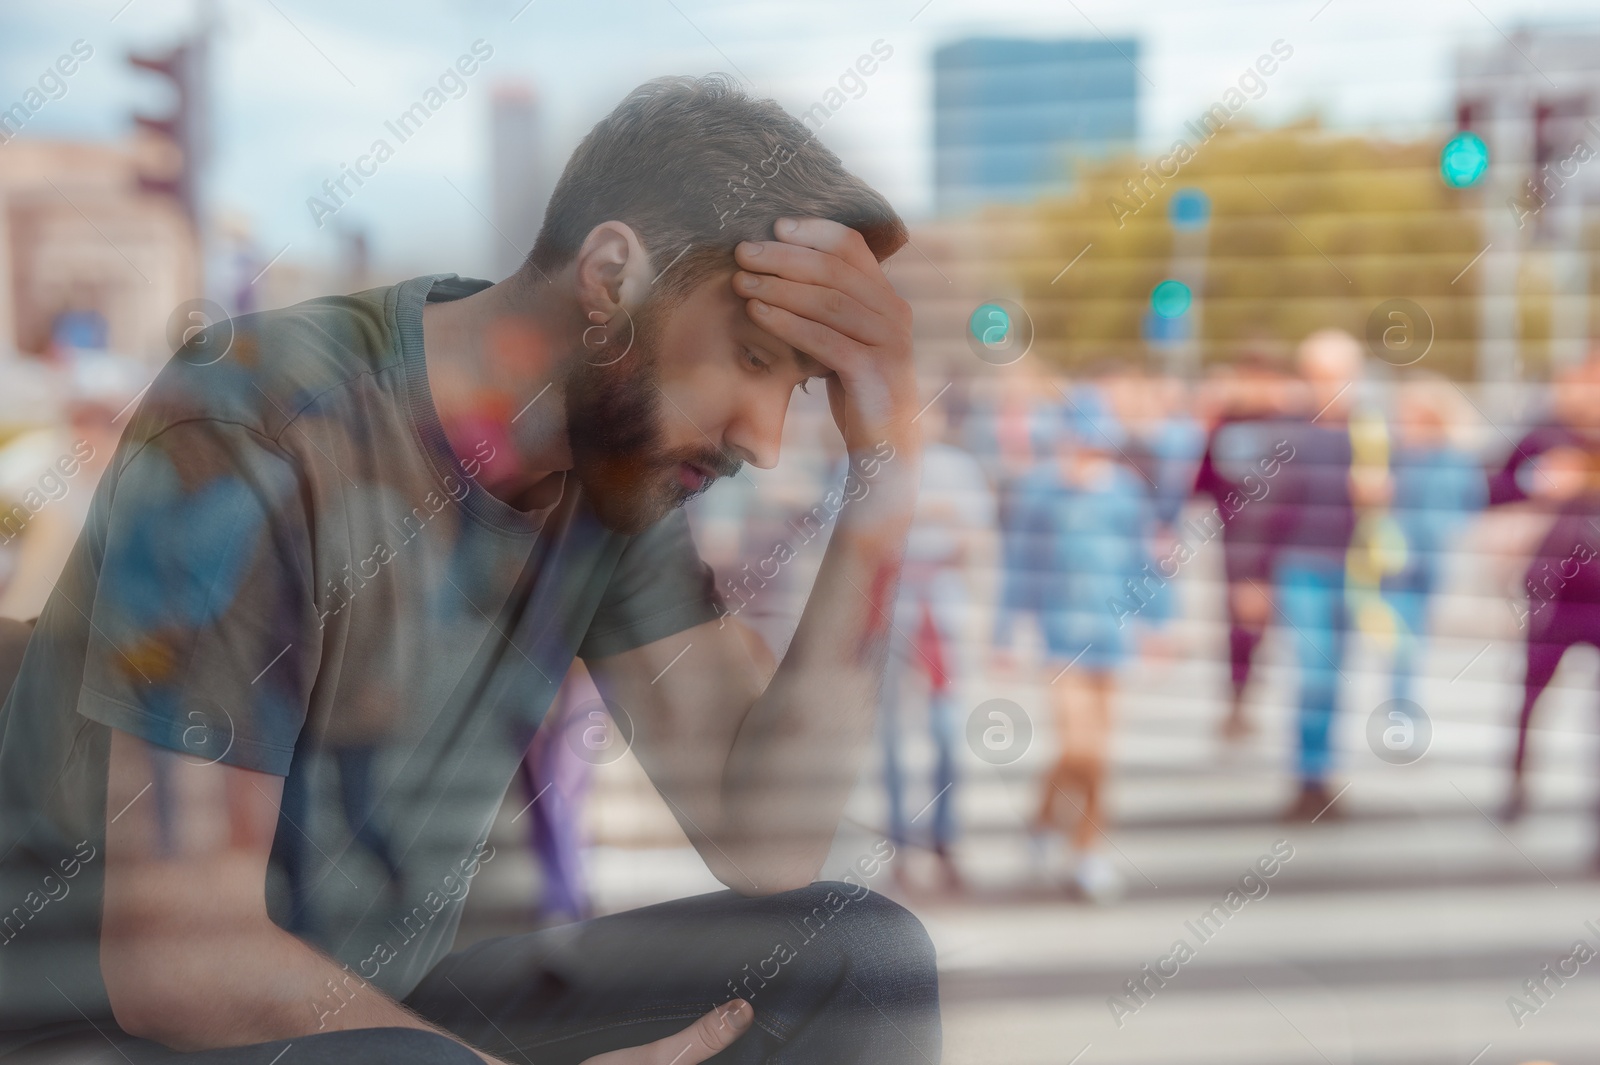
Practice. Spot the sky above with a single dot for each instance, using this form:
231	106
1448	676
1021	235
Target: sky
303	86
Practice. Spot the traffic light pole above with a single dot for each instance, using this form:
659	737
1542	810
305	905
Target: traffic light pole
186	127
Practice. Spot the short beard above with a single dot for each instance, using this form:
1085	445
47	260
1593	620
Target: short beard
613	407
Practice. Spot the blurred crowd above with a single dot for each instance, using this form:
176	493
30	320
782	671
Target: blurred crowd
1058	521
1328	488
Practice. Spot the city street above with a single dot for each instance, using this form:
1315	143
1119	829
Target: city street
1119	480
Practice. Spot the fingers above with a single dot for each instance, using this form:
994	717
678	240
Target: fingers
833	349
826	306
826	235
812	266
705	1038
819	288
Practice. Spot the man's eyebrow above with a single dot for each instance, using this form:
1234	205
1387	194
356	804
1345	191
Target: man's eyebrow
806	364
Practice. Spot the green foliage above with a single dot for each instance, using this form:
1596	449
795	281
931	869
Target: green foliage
1309	229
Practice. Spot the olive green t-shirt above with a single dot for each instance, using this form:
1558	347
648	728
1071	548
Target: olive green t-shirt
287	568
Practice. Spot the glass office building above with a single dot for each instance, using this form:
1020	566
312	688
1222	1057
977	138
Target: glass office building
1011	116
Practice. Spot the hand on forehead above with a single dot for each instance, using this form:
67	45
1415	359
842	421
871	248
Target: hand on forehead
818	288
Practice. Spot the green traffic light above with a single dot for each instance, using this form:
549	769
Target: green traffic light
1170	299
1464	159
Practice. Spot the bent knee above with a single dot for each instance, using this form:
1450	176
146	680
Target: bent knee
884	933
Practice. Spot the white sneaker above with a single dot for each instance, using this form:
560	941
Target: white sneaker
1097	880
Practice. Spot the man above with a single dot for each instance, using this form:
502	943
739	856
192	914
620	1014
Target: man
1080	552
293	557
955	516
1239	448
1329	480
1555	468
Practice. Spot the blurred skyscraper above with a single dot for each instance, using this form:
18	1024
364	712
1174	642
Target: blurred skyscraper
520	174
1010	116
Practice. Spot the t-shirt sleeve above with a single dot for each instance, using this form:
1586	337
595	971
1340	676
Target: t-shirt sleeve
660	586
204	633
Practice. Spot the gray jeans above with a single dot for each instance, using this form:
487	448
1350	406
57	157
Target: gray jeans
836	973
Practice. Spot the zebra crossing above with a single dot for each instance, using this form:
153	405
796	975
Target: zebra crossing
1410	926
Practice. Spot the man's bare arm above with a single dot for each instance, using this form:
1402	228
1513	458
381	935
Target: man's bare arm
757	770
757	764
189	955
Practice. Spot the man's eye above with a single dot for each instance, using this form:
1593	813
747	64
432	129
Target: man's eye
755	362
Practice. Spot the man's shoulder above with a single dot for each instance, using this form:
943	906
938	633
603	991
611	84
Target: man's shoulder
262	369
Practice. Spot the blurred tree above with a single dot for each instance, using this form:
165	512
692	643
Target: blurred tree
1309	229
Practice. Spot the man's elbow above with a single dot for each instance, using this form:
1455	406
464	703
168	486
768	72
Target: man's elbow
144	1007
150	996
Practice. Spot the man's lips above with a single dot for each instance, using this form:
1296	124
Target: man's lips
693	477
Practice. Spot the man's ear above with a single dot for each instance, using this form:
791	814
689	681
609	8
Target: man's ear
612	270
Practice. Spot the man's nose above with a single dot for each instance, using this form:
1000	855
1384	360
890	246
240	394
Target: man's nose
756	433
